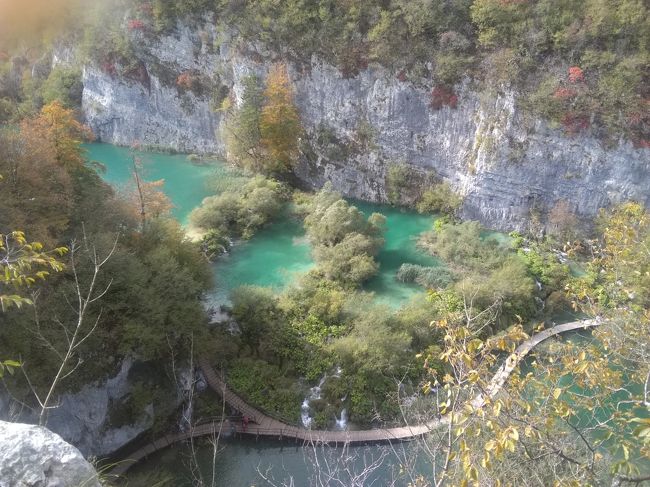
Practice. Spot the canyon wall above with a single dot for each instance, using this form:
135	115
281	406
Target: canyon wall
504	163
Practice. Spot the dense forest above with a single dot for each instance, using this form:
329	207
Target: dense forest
93	276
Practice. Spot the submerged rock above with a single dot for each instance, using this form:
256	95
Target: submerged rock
33	456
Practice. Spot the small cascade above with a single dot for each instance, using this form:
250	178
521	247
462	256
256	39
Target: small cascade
539	285
186	417
314	394
342	423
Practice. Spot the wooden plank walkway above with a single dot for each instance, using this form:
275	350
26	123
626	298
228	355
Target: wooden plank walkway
263	425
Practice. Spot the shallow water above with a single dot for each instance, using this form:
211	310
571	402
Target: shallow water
185	182
277	253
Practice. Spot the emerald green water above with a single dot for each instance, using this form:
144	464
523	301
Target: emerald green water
277	253
185	182
271	258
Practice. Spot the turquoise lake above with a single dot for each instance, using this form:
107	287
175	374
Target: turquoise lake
277	253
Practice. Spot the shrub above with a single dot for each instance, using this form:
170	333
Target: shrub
440	199
576	74
429	277
135	24
442	96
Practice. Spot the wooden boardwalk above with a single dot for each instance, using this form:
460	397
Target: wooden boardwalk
263	425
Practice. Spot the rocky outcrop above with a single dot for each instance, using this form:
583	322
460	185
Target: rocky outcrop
33	456
99	419
84	418
503	163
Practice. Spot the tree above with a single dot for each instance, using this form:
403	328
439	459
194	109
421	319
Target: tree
21	264
79	332
280	126
39	191
344	241
58	126
255	309
147	198
243	136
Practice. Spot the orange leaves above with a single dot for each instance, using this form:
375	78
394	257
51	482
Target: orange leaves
57	126
280	125
576	74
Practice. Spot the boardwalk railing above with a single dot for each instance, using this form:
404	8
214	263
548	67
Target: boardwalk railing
263	425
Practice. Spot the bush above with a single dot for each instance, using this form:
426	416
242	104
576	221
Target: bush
239	212
440	199
429	277
344	241
264	385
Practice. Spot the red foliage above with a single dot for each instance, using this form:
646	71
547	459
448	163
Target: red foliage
443	96
135	24
576	74
185	80
353	60
642	144
575	122
563	93
4	56
402	76
109	68
634	119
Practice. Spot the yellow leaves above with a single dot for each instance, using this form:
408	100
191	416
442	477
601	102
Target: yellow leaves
474	345
473	376
280	125
496	409
556	393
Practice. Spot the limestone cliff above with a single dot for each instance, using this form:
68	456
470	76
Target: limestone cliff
503	163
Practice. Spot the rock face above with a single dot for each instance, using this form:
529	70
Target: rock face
84	418
33	456
97	419
504	164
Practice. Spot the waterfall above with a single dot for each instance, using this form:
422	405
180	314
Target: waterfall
342	423
314	394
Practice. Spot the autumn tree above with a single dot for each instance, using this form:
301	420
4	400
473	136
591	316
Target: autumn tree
146	199
22	263
280	126
59	127
40	162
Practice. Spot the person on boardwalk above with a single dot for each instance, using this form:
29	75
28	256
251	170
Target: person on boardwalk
245	423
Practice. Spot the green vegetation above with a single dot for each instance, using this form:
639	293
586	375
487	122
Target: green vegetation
238	212
429	277
486	273
343	240
148	291
262	133
582	409
440	198
265	386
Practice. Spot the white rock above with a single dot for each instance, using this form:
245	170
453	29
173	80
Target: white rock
33	456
